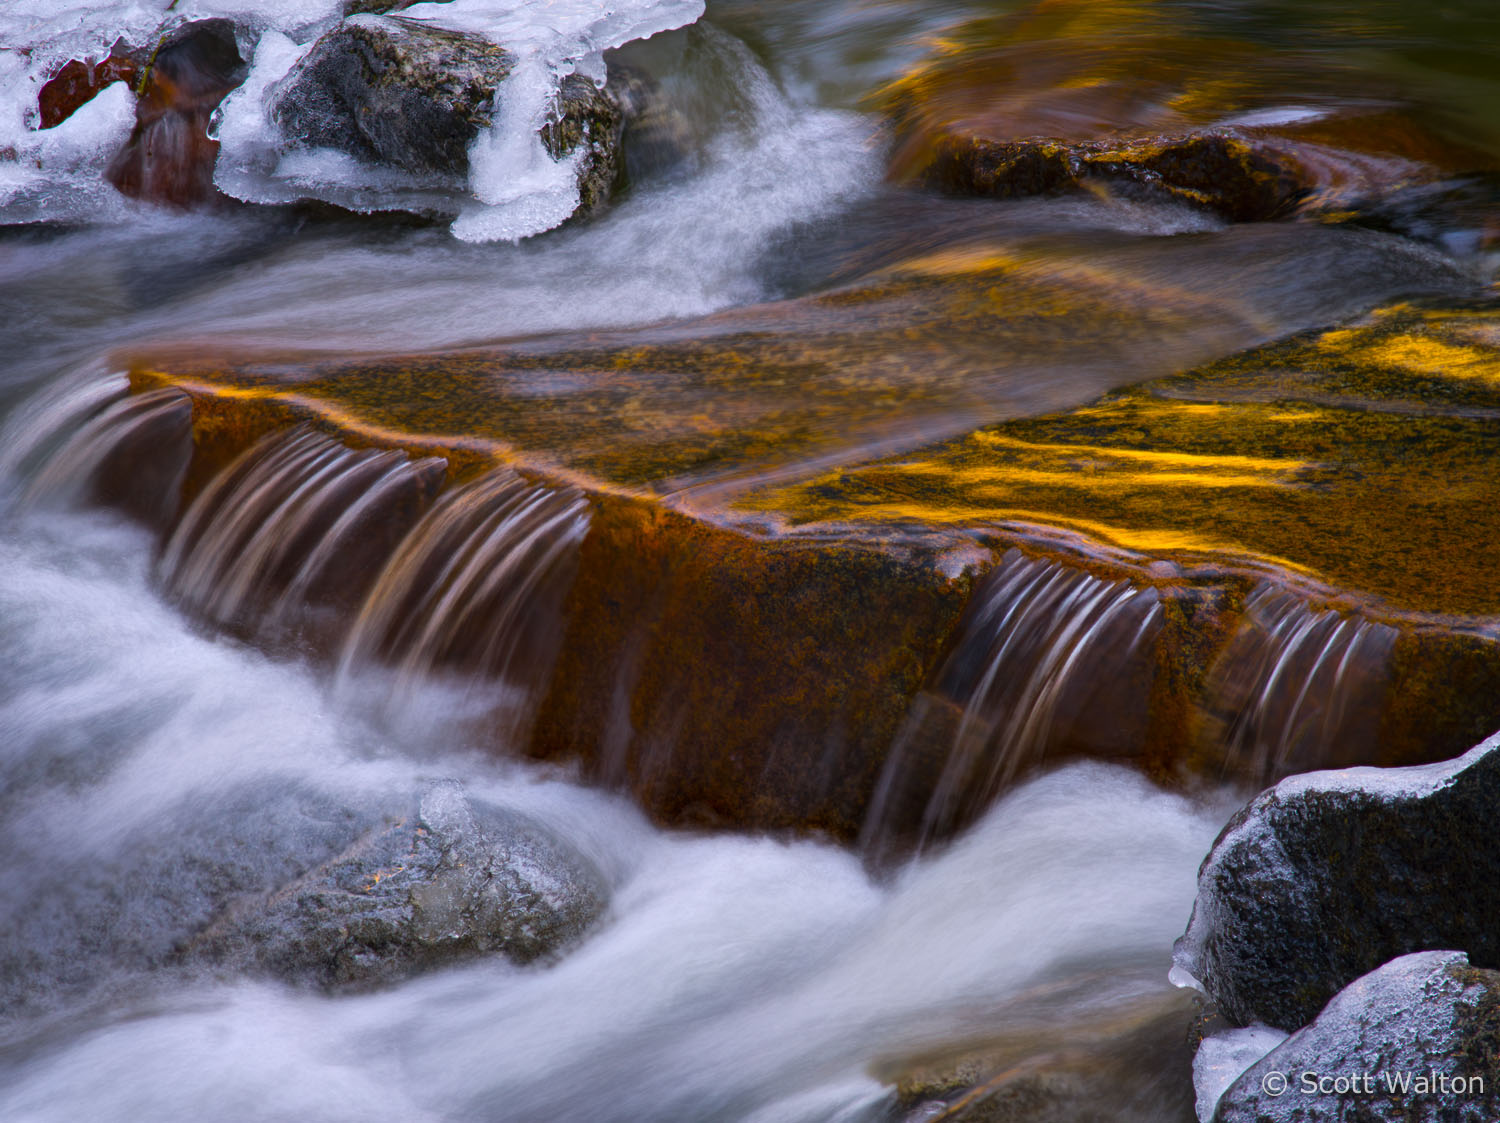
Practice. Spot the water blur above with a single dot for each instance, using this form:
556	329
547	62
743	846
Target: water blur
733	978
216	697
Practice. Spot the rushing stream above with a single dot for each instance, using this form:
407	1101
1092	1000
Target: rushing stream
167	740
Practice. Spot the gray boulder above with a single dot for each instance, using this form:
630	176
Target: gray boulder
1328	875
1416	1041
392	91
451	880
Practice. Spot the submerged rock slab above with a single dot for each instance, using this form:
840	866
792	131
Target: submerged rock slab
744	632
740	650
1361	456
1128	1065
1133	97
1411	1042
968	333
1330	874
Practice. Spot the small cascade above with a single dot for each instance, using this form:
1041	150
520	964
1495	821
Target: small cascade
358	555
294	529
1297	689
1050	662
39	426
474	595
133	453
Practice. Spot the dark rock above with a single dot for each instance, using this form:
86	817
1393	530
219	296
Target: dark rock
397	92
393	91
170	157
381	7
1219	170
1330	874
452	879
594	118
291	881
1416	1041
100	919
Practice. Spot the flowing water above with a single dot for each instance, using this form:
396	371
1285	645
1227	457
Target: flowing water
194	704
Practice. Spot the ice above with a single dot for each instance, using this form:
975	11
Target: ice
515	188
1223	1058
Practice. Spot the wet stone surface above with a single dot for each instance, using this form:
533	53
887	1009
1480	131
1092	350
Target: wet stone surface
1330	874
454	879
314	889
1412	1042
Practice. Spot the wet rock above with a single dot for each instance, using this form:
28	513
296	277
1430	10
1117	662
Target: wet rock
1416	1041
103	919
1125	1064
393	91
452	879
591	118
1136	99
79	80
170	157
1330	874
1219	170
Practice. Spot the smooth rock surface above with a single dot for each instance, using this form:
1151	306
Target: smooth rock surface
1416	1041
1330	874
453	879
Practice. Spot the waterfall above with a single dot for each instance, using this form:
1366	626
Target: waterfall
116	456
294	522
1297	689
1049	661
303	543
476	588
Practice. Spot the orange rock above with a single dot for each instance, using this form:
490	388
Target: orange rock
170	157
79	81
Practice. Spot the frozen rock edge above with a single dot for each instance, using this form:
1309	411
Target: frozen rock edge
1328	875
1411	1042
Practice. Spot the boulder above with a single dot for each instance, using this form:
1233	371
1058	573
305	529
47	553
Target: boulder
1330	874
396	92
1145	101
286	879
454	878
1415	1041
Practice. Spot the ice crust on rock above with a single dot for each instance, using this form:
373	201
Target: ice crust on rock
1329	874
1428	1016
515	188
1222	1058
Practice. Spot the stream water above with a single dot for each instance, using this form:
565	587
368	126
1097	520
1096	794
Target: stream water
731	977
